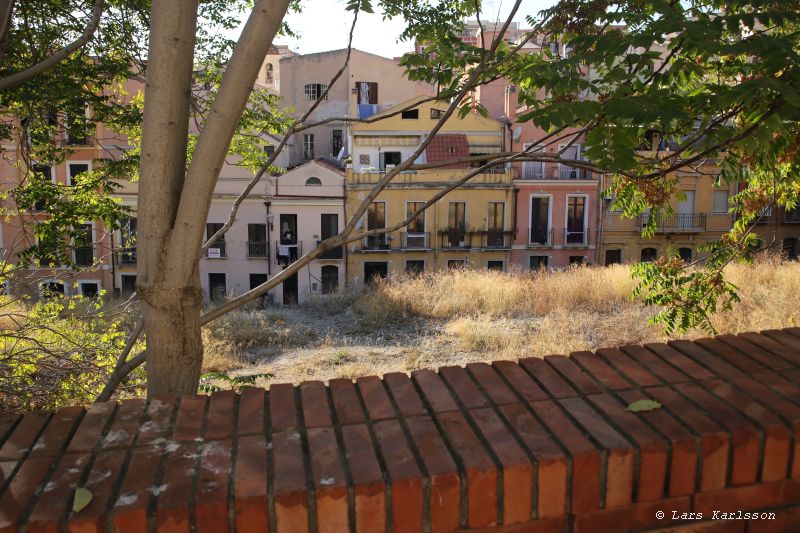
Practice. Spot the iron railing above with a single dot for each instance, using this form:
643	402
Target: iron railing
576	238
455	238
126	256
539	237
333	253
680	223
375	243
286	254
257	249
415	241
219	245
496	239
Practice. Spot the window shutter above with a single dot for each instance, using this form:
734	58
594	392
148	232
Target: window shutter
382	161
373	92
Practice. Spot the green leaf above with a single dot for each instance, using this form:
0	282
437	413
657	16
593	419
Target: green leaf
643	405
83	497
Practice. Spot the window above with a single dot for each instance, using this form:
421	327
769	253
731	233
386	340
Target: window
410	114
268	72
576	214
128	283
313	91
686	206
720	202
494	265
576	260
336	143
613	257
436	114
51	289
216	286
685	253
376	219
367	92
649	254
89	289
417	224
495	225
388	160
540	220
269	150
329	226
74	170
75	124
83	248
313	182
538	262
457	216
217	249
44	172
374	270
127	242
256	240
308	146
790	248
415	266
456	264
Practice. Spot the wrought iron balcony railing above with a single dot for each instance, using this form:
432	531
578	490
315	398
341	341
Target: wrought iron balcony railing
415	241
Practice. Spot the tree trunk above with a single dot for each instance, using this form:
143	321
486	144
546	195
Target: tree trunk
174	343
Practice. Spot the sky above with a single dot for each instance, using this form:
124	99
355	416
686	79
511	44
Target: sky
324	25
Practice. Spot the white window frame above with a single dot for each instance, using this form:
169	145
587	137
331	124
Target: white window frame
528	164
549	197
76	162
578	157
306	138
93	243
309	92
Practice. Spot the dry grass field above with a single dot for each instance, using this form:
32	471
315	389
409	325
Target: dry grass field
456	317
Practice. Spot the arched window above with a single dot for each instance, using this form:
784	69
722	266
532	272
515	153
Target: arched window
313	182
649	254
685	253
268	72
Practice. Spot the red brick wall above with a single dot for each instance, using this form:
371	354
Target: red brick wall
539	445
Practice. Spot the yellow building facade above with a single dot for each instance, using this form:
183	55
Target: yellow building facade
470	227
701	216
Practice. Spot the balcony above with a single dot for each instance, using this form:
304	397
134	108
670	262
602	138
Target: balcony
680	223
456	239
554	171
333	253
286	254
375	243
540	237
216	250
496	240
126	256
568	173
257	249
792	217
576	238
415	241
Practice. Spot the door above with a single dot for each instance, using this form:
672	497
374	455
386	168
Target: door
216	286
374	270
576	212
457	224
540	214
290	293
495	225
330	279
128	284
686	211
329	224
255	281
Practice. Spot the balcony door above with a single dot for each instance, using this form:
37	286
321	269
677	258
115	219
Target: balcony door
495	224
685	210
376	219
457	224
540	219
576	219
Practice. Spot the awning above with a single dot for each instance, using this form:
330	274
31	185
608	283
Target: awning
386	140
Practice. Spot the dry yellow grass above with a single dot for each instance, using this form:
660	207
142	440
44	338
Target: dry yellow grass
488	315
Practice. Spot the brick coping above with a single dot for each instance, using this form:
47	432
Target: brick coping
535	445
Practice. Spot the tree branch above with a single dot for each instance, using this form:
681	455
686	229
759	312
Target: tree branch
21	77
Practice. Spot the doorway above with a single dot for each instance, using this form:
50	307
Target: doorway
374	270
330	279
290	293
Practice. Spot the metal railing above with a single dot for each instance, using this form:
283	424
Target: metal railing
539	237
415	241
375	243
680	223
286	254
569	173
576	238
333	253
792	217
126	256
496	239
456	239
257	249
218	245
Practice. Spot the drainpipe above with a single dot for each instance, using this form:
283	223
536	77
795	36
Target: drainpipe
344	216
514	196
113	267
267	204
